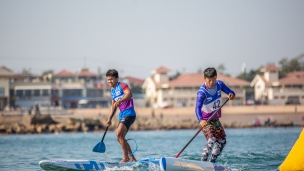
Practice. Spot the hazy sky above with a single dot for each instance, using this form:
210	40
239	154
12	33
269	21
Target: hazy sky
137	36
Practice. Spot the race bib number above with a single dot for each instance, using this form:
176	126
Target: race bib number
216	104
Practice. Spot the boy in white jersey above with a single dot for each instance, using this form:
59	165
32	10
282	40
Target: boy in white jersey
122	98
207	102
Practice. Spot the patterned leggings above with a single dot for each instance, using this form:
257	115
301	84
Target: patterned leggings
216	139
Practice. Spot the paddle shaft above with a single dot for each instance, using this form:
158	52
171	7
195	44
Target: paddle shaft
113	113
177	155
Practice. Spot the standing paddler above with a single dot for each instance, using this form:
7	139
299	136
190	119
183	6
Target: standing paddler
121	98
207	102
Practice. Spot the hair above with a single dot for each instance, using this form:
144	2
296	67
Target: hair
209	73
112	72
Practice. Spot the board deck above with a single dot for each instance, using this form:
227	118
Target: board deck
164	163
90	164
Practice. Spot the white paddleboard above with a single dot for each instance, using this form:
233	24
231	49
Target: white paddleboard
90	164
178	164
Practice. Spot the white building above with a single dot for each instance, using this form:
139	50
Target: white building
5	73
83	89
162	92
269	89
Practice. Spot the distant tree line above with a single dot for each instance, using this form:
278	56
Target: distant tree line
287	66
294	64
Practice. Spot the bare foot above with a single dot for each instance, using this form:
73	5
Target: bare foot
132	159
124	160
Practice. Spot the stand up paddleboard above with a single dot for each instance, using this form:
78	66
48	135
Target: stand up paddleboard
177	164
91	164
165	164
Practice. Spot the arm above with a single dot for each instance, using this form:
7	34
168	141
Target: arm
198	109
227	90
199	104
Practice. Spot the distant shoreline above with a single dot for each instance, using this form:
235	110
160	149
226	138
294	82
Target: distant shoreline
89	120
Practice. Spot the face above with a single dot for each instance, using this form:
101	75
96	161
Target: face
211	81
112	81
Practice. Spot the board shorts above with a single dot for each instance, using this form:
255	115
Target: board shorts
127	121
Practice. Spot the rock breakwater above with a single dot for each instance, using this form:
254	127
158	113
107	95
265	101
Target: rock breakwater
36	124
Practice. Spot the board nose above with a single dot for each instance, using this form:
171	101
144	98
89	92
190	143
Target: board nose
162	163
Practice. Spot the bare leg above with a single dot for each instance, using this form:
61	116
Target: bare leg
121	134
131	158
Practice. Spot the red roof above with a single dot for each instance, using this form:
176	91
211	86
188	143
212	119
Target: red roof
193	79
65	73
86	72
296	77
232	81
135	81
197	79
270	67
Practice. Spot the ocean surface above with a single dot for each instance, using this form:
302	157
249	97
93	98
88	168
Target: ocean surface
247	149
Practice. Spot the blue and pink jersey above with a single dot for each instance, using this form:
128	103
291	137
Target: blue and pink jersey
127	107
207	101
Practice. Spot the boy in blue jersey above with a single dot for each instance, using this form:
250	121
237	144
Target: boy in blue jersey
207	102
122	98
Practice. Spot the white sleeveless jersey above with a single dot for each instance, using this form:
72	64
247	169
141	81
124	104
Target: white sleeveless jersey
212	102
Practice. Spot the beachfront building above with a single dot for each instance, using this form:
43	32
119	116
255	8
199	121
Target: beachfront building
29	94
4	93
21	90
95	90
272	90
162	92
27	90
83	89
5	73
68	89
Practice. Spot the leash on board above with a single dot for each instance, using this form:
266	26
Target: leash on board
136	146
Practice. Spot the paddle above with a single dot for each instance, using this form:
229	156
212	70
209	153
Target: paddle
100	147
177	155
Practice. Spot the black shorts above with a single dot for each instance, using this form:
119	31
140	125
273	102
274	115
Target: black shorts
128	121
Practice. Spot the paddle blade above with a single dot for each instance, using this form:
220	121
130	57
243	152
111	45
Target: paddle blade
100	148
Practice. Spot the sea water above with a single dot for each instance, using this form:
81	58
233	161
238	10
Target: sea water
247	148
